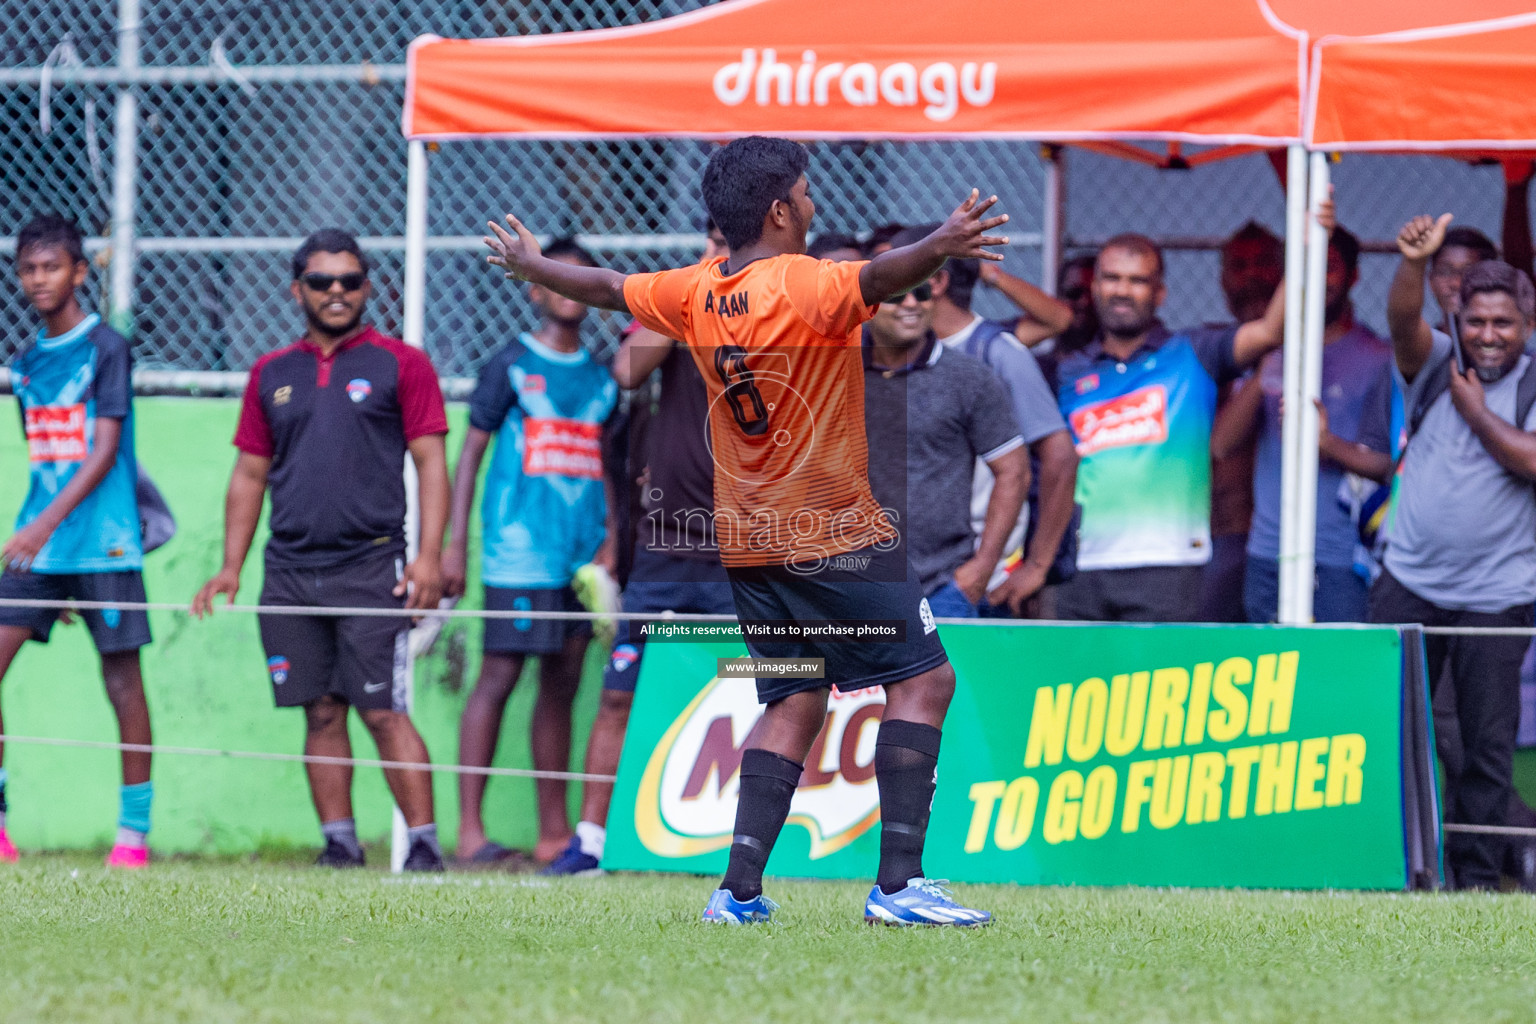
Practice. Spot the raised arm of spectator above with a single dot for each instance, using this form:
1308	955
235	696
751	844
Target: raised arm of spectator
963	235
1510	446
465	475
1010	484
422	582
242	511
1257	337
1412	338
518	253
1047	315
640	353
1237	422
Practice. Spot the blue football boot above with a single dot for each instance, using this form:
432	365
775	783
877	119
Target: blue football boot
723	908
924	901
574	862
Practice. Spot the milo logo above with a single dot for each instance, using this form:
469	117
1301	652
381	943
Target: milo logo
686	805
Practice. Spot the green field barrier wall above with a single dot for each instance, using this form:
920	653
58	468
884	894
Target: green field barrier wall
207	686
1096	755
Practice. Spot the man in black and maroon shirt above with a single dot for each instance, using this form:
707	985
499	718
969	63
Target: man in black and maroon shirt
326	423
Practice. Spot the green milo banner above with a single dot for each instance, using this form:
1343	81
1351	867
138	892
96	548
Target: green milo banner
1096	755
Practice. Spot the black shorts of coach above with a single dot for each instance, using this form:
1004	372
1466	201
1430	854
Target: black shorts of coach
357	659
883	587
113	631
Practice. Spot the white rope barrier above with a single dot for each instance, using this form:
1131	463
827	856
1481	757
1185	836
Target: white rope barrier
396	613
262	755
1490	830
661	616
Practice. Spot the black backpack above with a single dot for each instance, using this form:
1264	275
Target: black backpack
980	345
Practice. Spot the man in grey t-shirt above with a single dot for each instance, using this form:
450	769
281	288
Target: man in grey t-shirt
930	413
1461	547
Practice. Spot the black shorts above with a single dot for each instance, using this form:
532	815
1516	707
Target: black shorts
881	590
532	636
358	659
112	630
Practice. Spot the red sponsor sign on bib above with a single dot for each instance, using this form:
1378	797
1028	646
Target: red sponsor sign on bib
1140	417
56	433
559	447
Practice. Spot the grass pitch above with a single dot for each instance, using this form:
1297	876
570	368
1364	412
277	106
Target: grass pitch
210	941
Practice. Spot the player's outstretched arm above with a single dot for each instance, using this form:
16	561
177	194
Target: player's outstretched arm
963	236
517	252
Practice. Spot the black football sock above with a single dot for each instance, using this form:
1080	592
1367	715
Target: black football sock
906	770
768	782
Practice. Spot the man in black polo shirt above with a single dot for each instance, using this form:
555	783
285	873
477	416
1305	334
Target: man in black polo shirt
930	412
326	423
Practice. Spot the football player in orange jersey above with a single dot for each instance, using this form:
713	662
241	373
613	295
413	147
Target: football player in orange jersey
776	334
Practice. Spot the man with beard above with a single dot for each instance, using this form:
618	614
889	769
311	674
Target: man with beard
1140	401
1353	360
1462	545
326	423
545	401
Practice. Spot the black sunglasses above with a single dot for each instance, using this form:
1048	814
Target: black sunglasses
323	282
922	293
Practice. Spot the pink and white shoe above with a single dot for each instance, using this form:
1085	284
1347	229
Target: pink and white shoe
8	854
130	858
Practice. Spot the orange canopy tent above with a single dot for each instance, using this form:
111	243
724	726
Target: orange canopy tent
1209	72
1391	75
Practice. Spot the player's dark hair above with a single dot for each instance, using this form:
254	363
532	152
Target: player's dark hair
52	229
327	240
1469	238
1129	241
568	246
881	235
1344	242
831	241
1498	276
743	180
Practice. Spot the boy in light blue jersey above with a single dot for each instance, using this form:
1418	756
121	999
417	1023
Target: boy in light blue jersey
78	535
545	401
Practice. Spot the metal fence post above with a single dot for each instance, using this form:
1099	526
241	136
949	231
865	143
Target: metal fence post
125	171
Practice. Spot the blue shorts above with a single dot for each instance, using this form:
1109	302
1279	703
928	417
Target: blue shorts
532	636
657	583
112	631
883	589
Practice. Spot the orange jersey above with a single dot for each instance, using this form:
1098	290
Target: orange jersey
778	345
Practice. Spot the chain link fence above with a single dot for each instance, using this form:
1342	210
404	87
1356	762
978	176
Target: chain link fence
258	122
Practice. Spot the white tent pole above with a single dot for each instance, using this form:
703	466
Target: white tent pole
1054	219
1290	426
1311	389
413	331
